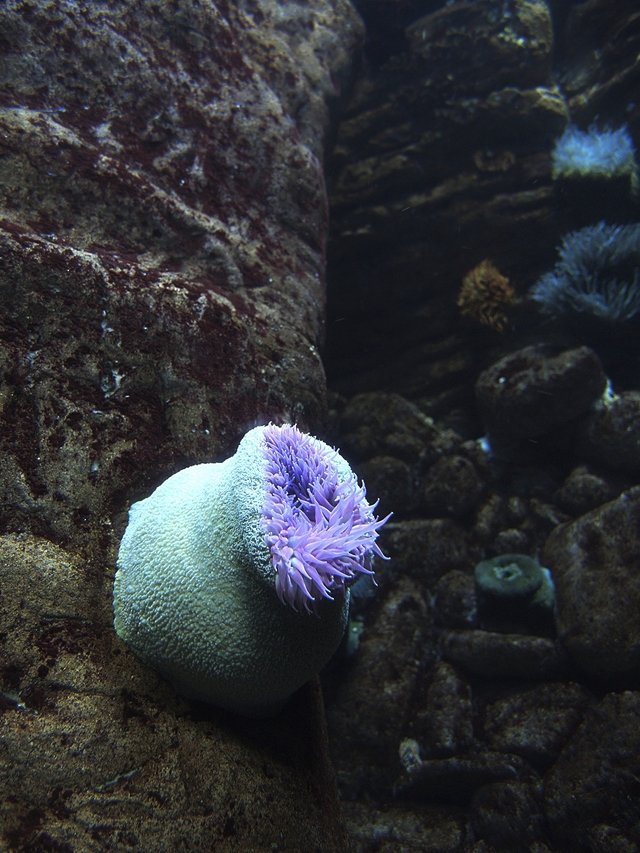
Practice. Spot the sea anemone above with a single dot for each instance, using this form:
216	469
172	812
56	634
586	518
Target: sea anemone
220	567
598	274
594	153
320	529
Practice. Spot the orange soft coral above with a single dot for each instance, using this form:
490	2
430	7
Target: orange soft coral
485	295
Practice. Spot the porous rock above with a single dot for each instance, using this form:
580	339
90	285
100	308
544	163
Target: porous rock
526	393
594	561
162	238
427	548
590	795
611	433
584	490
494	655
96	745
536	722
452	486
370	708
455	600
401	829
445	720
161	291
508	815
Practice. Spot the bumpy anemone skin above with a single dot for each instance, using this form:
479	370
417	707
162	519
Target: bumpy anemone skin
193	596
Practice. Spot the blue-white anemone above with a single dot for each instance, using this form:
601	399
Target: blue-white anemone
598	274
594	153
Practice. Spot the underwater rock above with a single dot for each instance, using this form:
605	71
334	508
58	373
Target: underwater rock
162	242
611	433
590	793
390	483
368	712
453	780
528	392
535	723
378	423
493	655
96	745
452	486
455	600
508	815
427	548
594	562
402	829
444	722
583	490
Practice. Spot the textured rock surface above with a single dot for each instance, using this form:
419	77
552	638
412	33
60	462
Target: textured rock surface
595	564
162	238
528	392
591	793
99	753
495	655
611	434
162	226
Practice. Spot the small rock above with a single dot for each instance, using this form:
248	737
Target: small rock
377	423
427	548
401	829
453	486
507	815
511	540
455	601
535	723
494	655
390	482
453	780
591	793
528	392
583	491
446	721
594	561
612	432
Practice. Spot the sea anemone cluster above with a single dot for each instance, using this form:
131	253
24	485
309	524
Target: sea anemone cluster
595	153
320	529
598	274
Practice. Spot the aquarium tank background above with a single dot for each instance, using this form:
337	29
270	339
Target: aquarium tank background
405	233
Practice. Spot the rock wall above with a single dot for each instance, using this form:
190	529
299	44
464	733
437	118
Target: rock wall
162	230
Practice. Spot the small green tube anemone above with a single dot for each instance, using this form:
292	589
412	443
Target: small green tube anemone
514	588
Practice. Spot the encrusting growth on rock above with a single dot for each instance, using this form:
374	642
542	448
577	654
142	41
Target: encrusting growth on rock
485	295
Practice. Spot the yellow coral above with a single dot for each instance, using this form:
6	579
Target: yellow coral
485	295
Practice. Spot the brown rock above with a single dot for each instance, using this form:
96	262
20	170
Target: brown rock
427	548
370	710
535	723
584	490
455	600
445	722
455	779
611	433
400	829
494	655
508	815
452	486
594	561
528	392
162	245
96	745
591	792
